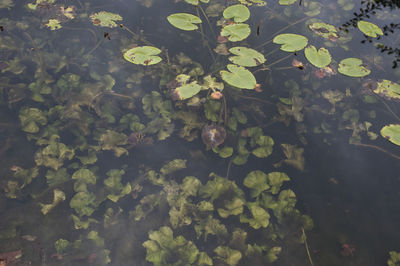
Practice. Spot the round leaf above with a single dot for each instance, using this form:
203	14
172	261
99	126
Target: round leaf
388	89
291	42
236	32
239	77
188	90
184	21
143	55
353	67
246	57
369	29
391	133
196	2
320	58
239	13
286	2
105	19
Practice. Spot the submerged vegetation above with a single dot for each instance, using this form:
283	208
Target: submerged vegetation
90	116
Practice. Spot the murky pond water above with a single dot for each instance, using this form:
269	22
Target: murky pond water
190	132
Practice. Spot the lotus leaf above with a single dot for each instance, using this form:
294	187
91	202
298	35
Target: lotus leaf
54	154
287	2
61	245
173	166
210	226
294	156
392	133
388	89
53	24
232	207
58	196
114	185
320	58
257	182
80	224
83	202
291	42
239	77
223	152
251	2
184	21
187	91
369	29
143	55
211	83
111	140
239	13
353	67
246	57
323	29
275	180
196	2
105	19
236	32
260	217
190	185
394	259
163	249
211	110
30	118
57	177
229	256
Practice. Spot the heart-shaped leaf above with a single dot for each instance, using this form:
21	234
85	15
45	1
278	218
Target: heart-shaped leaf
392	133
188	90
184	21
105	19
246	57
388	89
239	77
353	67
320	58
239	13
143	55
369	29
291	42
236	32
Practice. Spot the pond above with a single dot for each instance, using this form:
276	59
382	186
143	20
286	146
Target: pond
199	132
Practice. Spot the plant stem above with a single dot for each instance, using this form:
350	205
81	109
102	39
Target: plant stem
208	22
378	148
203	38
278	61
306	245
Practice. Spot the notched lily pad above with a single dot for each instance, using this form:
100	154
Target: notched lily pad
320	58
236	32
184	21
325	30
392	133
105	19
353	67
388	89
291	42
246	57
239	13
239	77
143	55
369	29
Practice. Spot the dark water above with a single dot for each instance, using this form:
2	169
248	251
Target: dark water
350	191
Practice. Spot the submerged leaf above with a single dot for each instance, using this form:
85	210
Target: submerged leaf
287	2
30	118
58	196
353	67
257	182
184	21
324	29
388	89
105	19
228	255
291	42
173	166
239	13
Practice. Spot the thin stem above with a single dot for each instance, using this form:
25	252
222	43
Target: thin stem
278	61
203	37
378	148
306	245
95	47
273	51
229	168
208	22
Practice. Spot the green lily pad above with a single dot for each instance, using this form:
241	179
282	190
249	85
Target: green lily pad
184	21
105	19
320	58
239	13
143	55
196	2
287	2
251	2
369	29
353	67
388	89
392	133
236	32
187	91
238	77
291	42
246	57
324	29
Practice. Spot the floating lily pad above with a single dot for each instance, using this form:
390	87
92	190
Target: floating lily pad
184	21
188	90
246	57
53	24
369	29
251	2
291	42
320	58
353	67
323	29
143	55
105	19
239	77
196	2
392	133
287	2
388	89
239	13
236	32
